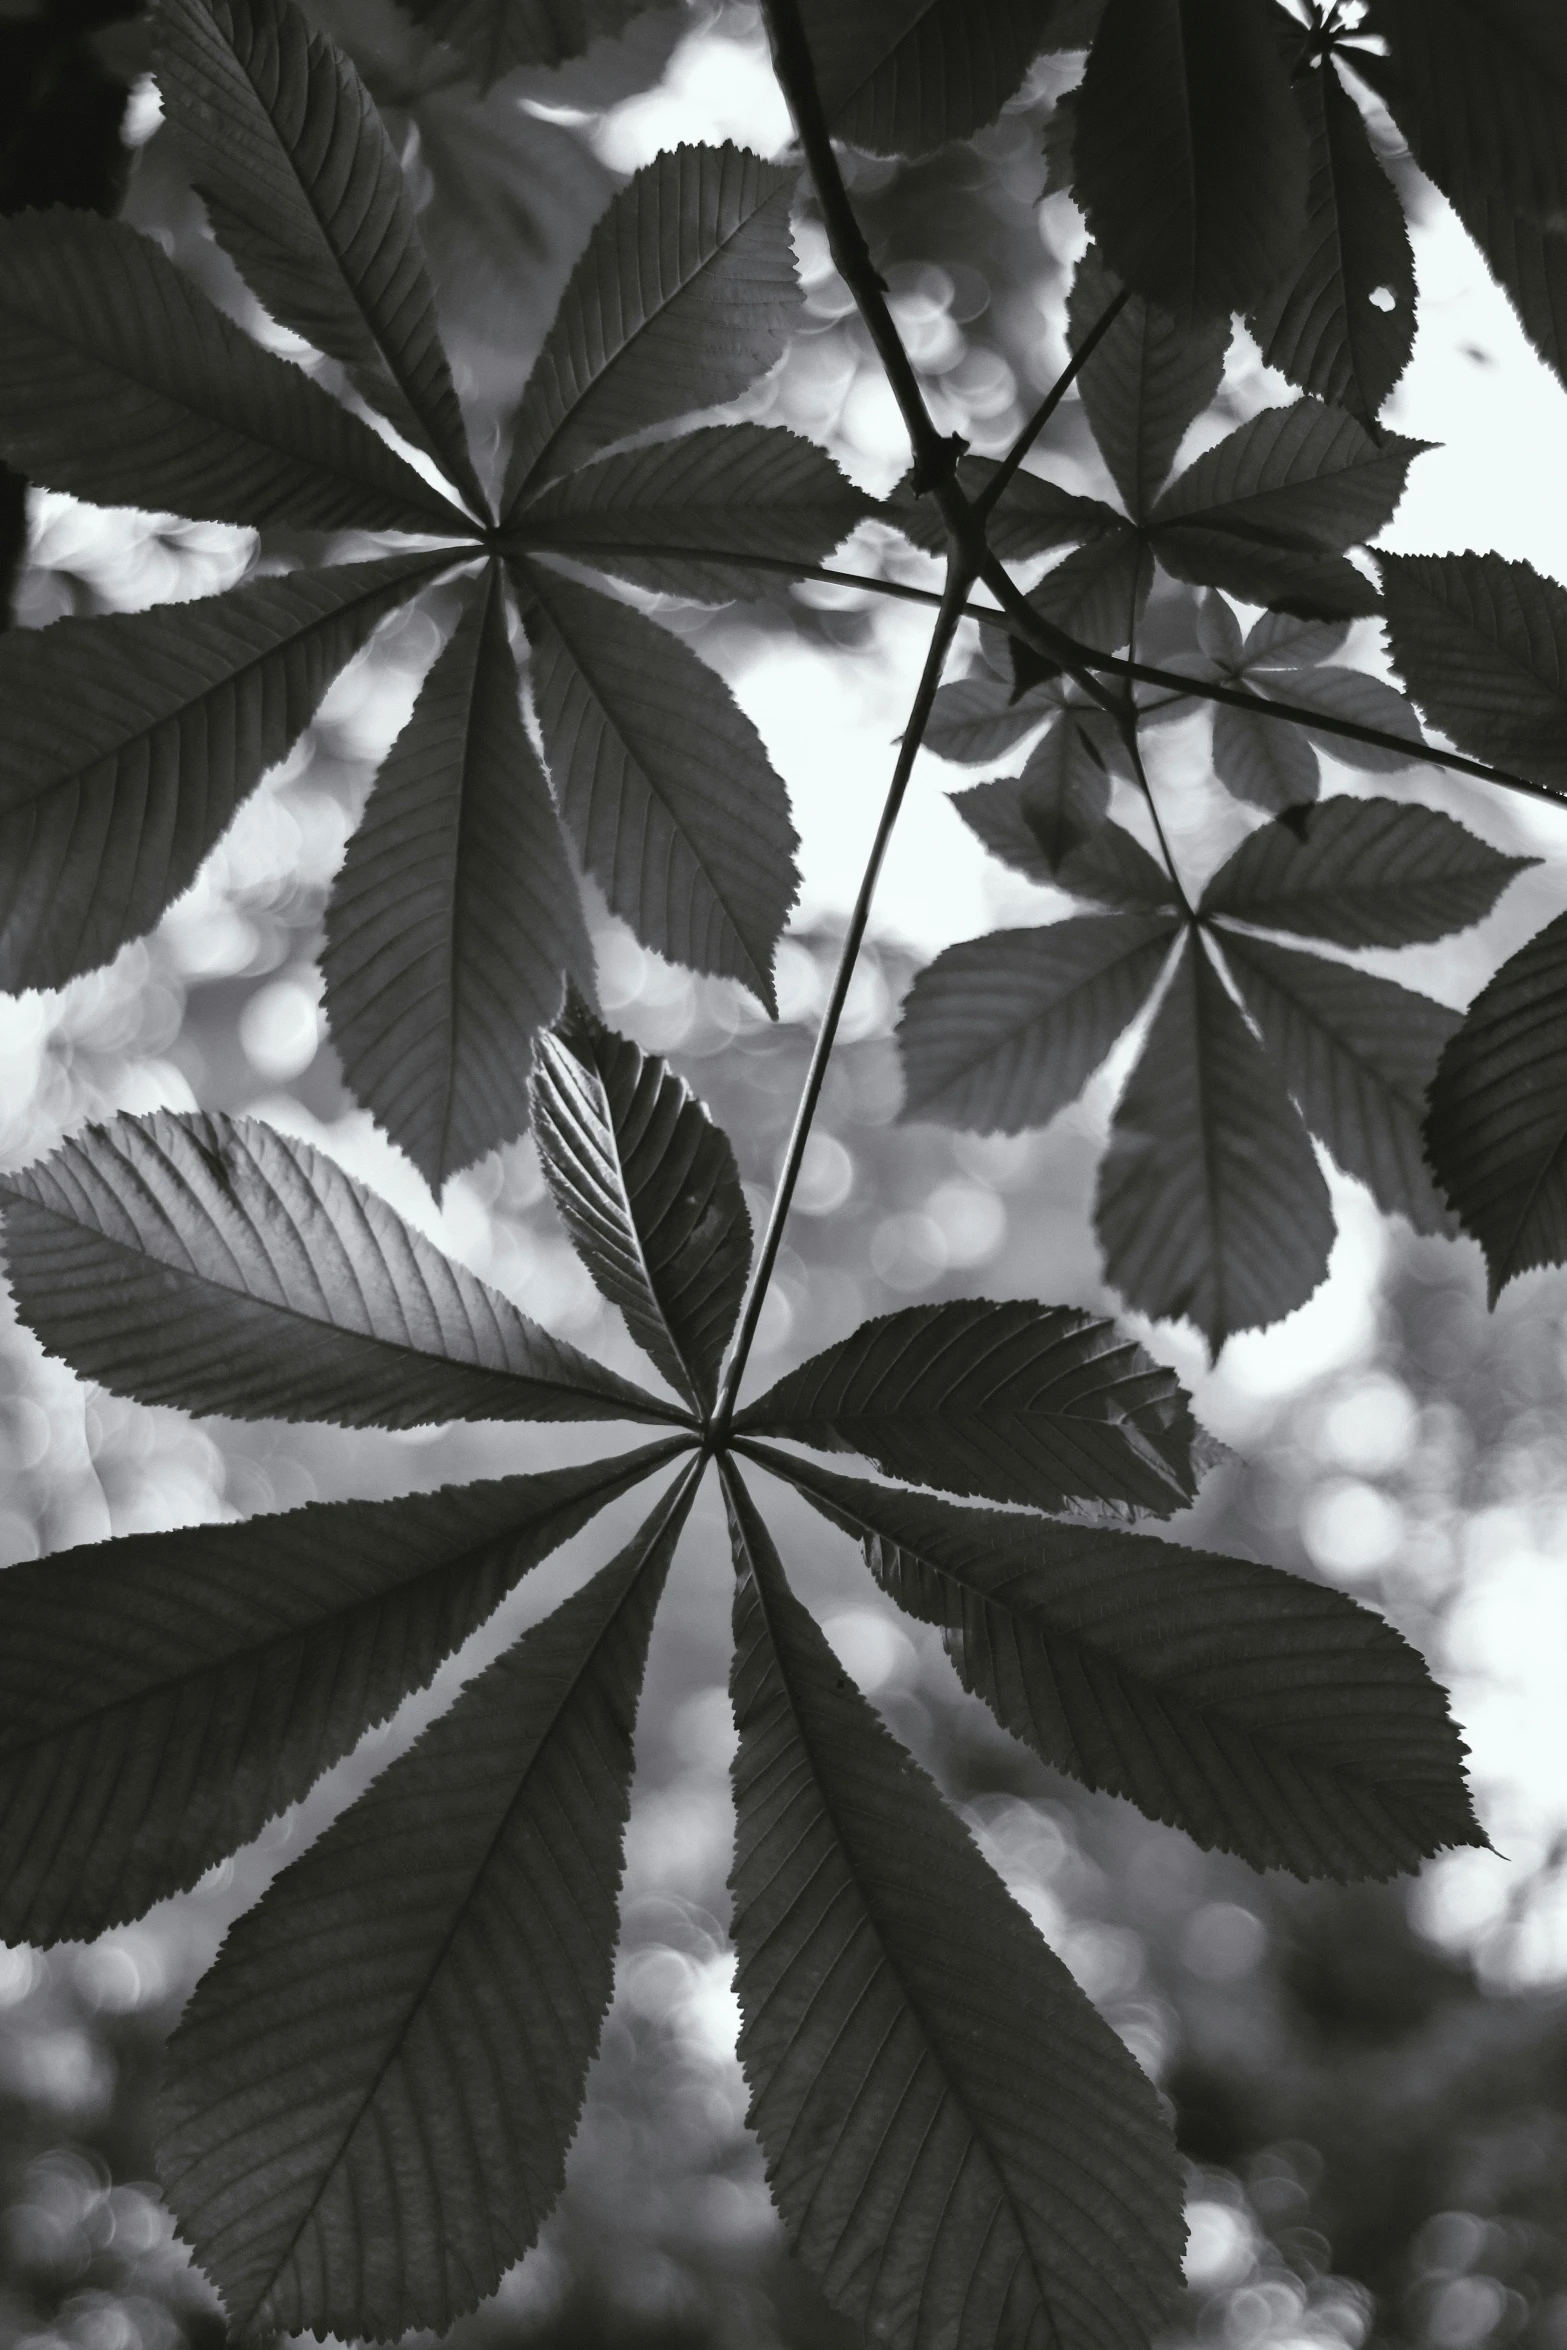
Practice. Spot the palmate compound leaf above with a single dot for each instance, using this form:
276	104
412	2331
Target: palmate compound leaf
206	1261
131	740
1363	873
1190	153
1357	1053
1146	380
662	781
305	193
903	77
1340	322
367	2105
962	2150
120	382
1211	1207
165	1695
648	1188
1497	1131
685	295
657	516
455	920
1000	1033
1268	512
1264	1715
1481	644
1015	1401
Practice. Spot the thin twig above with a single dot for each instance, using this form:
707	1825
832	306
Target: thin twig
908	749
1001	478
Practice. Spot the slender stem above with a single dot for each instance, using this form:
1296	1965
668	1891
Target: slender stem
1134	749
999	480
767	1256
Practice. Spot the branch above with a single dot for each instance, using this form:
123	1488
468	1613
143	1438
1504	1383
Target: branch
1052	400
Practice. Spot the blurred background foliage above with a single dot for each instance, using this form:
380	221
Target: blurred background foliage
1371	2085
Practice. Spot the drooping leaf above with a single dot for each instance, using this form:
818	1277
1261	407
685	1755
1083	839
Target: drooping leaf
1145	382
685	295
167	1694
1341	320
367	2105
1190	152
1363	873
649	1191
495	36
1211	1206
657	516
120	382
454	921
131	740
1265	1715
662	782
1497	1131
961	2149
1479	89
975	719
1481	644
303	189
1260	760
1000	1033
1017	1401
206	1261
1358	1054
1097	594
904	76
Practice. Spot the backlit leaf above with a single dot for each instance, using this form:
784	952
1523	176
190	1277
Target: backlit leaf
1290	579
495	36
1211	1206
1481	644
1363	873
367	2105
1265	1715
657	516
1260	760
1358	1054
1341	320
1305	477
1145	382
902	77
1064	789
649	1191
1098	593
304	191
1031	516
131	740
455	920
1497	1131
1018	1401
1116	870
662	782
120	382
1363	700
962	2151
1190	152
1001	1032
206	1261
685	295
975	719
165	1695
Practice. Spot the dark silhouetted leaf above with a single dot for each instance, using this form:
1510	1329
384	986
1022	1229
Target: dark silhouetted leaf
1211	1206
1363	873
209	1262
1031	516
1497	1133
1097	594
1481	643
1530	263
685	295
1358	1053
1263	1714
1018	1401
168	1694
1290	579
961	2148
1480	92
299	177
650	1193
1306	479
1261	760
367	2105
662	781
903	77
657	516
120	382
455	920
1191	155
1321	325
131	740
497	35
1144	383
975	719
1001	1032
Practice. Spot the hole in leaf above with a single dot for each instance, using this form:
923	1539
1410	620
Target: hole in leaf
1382	298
